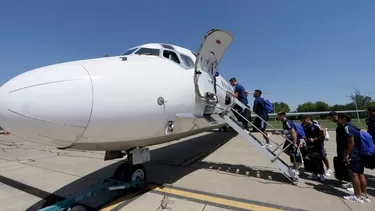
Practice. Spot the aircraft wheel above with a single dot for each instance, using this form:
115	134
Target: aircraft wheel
128	173
78	208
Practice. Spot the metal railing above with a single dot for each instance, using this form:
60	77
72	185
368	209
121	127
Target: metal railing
284	139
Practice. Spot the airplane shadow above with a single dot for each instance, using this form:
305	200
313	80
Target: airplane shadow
168	165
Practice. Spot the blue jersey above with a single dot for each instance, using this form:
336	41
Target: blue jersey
352	131
260	107
241	93
288	125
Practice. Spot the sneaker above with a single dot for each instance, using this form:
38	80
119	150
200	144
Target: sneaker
351	190
347	185
294	171
312	176
328	172
267	146
365	198
353	198
321	178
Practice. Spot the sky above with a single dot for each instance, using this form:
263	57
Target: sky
294	51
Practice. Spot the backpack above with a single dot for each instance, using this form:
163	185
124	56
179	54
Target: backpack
300	131
326	135
268	106
367	147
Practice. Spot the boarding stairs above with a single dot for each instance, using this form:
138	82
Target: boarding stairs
273	154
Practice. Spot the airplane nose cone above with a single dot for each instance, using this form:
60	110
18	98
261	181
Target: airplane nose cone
49	105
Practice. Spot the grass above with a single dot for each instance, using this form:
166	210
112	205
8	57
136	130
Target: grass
325	123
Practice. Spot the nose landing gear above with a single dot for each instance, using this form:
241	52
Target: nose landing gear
132	169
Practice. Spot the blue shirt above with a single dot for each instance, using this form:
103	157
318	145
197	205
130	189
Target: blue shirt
352	131
288	125
260	107
370	122
241	93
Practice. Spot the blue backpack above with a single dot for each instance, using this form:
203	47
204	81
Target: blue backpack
300	131
367	146
268	106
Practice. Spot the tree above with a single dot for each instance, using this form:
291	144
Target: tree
360	100
321	106
281	106
106	55
370	104
338	107
306	107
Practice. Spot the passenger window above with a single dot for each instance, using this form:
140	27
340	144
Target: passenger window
187	61
148	51
129	51
171	55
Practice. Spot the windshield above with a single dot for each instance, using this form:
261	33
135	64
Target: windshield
148	51
130	51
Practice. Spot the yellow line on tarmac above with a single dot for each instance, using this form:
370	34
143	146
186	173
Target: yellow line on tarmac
216	200
198	197
117	202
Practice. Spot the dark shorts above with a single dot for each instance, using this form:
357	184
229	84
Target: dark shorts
262	125
323	153
357	166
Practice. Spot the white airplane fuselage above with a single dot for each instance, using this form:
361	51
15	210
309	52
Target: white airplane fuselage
111	103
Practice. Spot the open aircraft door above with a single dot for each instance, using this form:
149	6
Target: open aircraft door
209	55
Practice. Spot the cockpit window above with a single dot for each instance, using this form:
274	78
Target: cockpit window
167	46
171	55
148	51
129	51
187	61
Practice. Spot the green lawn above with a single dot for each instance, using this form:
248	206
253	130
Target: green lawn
326	123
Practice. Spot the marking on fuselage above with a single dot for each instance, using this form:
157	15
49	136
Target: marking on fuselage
44	120
41	84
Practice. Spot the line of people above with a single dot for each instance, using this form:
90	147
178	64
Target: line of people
308	140
308	145
351	161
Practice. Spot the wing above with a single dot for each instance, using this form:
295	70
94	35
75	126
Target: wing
317	113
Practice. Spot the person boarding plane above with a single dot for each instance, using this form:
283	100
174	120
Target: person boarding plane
152	94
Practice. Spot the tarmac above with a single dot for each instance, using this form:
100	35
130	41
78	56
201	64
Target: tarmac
211	171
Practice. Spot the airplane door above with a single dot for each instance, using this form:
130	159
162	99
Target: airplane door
209	55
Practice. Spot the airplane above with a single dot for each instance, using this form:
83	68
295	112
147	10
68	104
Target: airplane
151	94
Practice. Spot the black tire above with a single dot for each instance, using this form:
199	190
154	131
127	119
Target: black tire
78	208
127	173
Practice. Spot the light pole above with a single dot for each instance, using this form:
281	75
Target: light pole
356	105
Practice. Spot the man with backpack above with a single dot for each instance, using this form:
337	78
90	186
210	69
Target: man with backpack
295	133
304	119
359	144
315	147
260	108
